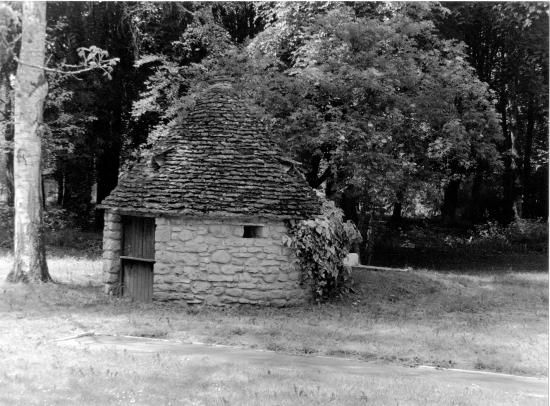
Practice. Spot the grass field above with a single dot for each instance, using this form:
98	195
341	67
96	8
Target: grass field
485	320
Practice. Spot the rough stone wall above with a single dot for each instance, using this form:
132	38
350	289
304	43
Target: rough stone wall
204	261
112	249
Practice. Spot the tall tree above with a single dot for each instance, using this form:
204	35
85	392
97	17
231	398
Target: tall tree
372	100
373	103
508	46
30	92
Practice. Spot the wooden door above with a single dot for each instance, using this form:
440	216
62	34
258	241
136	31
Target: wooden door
138	257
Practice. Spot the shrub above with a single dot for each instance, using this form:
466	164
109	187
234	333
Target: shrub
530	233
522	234
60	230
487	238
491	231
56	219
321	244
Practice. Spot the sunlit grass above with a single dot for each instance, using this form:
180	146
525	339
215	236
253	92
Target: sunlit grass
496	322
60	375
68	269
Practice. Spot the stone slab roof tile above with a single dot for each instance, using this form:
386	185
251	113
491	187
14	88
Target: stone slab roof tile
218	162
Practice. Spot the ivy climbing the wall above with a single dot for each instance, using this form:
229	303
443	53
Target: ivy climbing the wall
320	245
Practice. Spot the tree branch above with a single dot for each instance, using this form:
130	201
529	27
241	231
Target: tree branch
326	174
72	73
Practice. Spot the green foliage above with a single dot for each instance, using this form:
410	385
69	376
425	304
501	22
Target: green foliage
84	113
508	47
379	102
174	75
6	231
426	244
525	234
489	231
530	232
521	235
321	244
371	98
61	231
92	58
10	25
445	243
56	219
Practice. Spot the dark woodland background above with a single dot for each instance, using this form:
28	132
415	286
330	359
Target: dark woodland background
427	123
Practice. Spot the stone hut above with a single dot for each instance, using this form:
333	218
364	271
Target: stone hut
203	220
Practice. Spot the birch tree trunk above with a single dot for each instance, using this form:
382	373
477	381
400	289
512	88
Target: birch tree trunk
30	92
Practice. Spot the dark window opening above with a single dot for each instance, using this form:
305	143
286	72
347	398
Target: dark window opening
252	231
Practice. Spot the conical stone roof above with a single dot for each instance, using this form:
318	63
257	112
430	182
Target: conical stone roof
217	163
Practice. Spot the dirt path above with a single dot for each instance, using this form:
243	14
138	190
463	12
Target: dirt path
499	382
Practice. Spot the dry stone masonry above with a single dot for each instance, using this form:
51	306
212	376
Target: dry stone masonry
210	262
112	248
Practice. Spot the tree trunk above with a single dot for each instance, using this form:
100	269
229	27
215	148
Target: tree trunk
509	175
60	179
476	209
30	92
527	151
450	202
4	119
348	204
9	153
396	212
6	189
396	215
9	172
78	181
108	161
